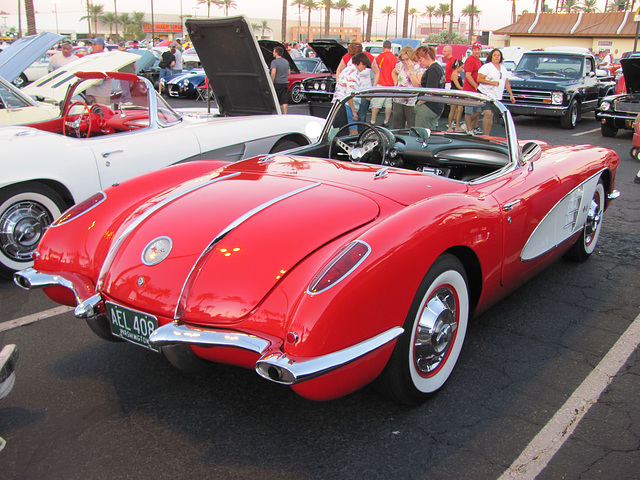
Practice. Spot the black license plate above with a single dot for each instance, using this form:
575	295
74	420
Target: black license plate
132	325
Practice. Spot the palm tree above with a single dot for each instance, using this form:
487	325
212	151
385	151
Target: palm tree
362	10
108	18
387	11
31	17
589	6
125	20
442	11
413	12
369	21
95	10
451	21
137	22
226	4
405	18
430	11
283	31
570	6
255	27
473	13
208	3
115	11
327	14
342	5
299	4
309	5
264	26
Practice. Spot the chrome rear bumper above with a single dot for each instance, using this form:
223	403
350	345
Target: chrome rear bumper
273	364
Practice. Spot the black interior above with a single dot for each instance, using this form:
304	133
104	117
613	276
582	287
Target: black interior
454	155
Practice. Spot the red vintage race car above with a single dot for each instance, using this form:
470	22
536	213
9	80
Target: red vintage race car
358	258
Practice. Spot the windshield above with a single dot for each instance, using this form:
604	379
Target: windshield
309	65
569	66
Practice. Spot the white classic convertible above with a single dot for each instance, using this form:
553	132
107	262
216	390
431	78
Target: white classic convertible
118	127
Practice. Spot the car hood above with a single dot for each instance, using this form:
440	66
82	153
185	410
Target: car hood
330	52
266	48
233	239
23	52
190	74
631	72
237	72
54	86
146	61
542	83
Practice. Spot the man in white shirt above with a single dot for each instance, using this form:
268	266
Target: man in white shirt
64	56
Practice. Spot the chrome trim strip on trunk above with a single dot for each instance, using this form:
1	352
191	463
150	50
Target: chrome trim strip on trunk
116	245
191	278
278	368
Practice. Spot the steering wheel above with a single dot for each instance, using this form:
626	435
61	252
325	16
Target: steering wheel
368	143
570	70
77	124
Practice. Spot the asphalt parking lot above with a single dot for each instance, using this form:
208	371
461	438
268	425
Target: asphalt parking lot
85	408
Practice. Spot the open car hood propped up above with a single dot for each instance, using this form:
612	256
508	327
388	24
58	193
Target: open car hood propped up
23	52
231	58
330	52
631	72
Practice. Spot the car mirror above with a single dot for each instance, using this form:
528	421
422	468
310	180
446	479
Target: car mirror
531	151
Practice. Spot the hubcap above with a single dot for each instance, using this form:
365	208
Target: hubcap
436	330
593	221
21	227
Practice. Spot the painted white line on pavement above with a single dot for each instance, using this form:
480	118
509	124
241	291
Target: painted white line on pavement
546	444
19	322
586	133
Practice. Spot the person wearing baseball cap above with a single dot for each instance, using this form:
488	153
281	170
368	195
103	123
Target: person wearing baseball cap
471	67
97	45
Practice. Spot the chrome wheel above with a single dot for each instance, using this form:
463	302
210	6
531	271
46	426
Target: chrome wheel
24	216
436	331
425	355
594	219
588	239
295	94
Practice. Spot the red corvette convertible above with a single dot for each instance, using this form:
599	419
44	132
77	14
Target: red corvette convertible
359	258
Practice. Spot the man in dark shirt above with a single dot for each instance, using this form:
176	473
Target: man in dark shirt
167	61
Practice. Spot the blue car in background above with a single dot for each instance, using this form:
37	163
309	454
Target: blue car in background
184	84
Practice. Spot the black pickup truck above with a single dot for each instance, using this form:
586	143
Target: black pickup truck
558	84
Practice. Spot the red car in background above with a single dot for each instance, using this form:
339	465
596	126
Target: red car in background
301	68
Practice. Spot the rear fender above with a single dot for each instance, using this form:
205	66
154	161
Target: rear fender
377	295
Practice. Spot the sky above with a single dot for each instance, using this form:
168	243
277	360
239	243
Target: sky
495	13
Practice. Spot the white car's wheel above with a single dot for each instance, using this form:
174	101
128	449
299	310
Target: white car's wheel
25	213
435	328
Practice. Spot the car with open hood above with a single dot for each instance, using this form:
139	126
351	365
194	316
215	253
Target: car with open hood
359	258
320	89
561	82
300	68
114	125
18	57
618	112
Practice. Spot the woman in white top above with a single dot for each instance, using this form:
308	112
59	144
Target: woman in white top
492	80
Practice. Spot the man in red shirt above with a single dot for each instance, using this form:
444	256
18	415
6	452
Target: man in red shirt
448	58
386	64
471	67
